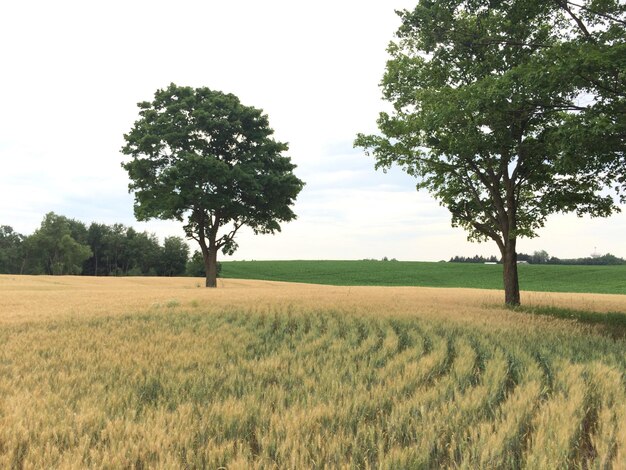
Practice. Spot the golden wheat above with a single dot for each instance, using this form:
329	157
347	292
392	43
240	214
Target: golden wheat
158	373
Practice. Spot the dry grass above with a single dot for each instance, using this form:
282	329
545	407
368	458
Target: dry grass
160	373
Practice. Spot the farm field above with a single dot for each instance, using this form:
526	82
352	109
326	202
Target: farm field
159	373
547	278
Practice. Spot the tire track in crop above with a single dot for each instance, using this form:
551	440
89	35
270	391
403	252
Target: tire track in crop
479	402
494	391
484	403
499	440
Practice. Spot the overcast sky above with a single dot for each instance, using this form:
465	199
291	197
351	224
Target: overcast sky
73	71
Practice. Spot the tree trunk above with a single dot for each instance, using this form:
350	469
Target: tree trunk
509	274
210	265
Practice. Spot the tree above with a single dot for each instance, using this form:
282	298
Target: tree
201	157
97	236
143	252
594	58
11	256
485	106
116	247
174	257
53	248
540	257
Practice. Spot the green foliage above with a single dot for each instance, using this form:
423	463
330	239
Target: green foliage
542	257
174	256
473	259
53	248
66	246
11	250
545	278
487	111
201	156
120	250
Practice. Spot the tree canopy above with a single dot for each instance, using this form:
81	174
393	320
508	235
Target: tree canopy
505	112
54	245
66	246
201	157
11	253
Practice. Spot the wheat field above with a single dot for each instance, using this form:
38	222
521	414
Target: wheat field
160	373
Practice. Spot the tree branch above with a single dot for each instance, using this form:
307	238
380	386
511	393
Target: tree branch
579	22
491	42
486	230
600	85
491	186
595	12
479	201
224	239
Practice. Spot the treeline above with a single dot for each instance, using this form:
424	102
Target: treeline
473	259
66	246
542	257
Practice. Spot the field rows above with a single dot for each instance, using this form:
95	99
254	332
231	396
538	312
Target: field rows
295	388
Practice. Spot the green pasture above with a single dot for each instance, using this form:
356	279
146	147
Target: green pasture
546	278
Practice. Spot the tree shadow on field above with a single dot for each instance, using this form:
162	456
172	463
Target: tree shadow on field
612	324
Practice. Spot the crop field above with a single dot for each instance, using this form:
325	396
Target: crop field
159	373
546	278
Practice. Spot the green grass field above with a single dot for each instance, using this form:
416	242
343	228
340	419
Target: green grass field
592	279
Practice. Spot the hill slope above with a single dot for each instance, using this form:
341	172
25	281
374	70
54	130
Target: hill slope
592	279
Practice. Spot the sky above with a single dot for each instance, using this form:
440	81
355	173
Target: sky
73	72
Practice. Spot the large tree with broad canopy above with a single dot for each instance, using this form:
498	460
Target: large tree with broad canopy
202	157
507	111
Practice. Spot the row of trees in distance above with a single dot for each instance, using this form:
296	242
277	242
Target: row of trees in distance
67	246
542	257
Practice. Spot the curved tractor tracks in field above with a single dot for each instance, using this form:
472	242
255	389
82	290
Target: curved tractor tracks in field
402	393
282	388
